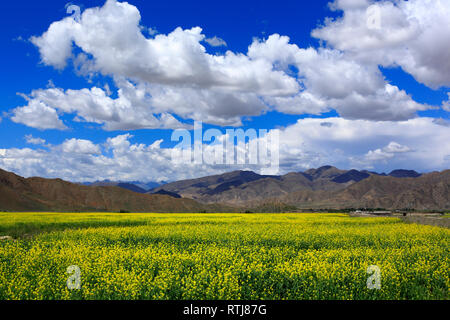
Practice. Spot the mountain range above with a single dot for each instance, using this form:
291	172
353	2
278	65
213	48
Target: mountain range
325	187
244	176
136	186
39	194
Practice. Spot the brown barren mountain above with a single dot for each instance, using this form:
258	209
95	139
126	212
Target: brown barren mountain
430	191
39	194
240	187
325	187
246	187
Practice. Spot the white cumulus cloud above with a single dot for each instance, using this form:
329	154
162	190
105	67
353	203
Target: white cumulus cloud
387	152
38	115
347	144
332	80
80	146
446	104
112	36
174	74
411	34
216	42
32	140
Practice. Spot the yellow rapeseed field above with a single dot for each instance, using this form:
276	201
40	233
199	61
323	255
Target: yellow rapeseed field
219	256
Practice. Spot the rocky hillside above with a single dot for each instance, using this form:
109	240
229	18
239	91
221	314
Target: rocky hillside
38	194
325	187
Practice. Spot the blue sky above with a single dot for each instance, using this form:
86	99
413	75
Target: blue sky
237	21
383	81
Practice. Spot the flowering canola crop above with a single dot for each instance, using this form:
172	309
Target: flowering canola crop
220	256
